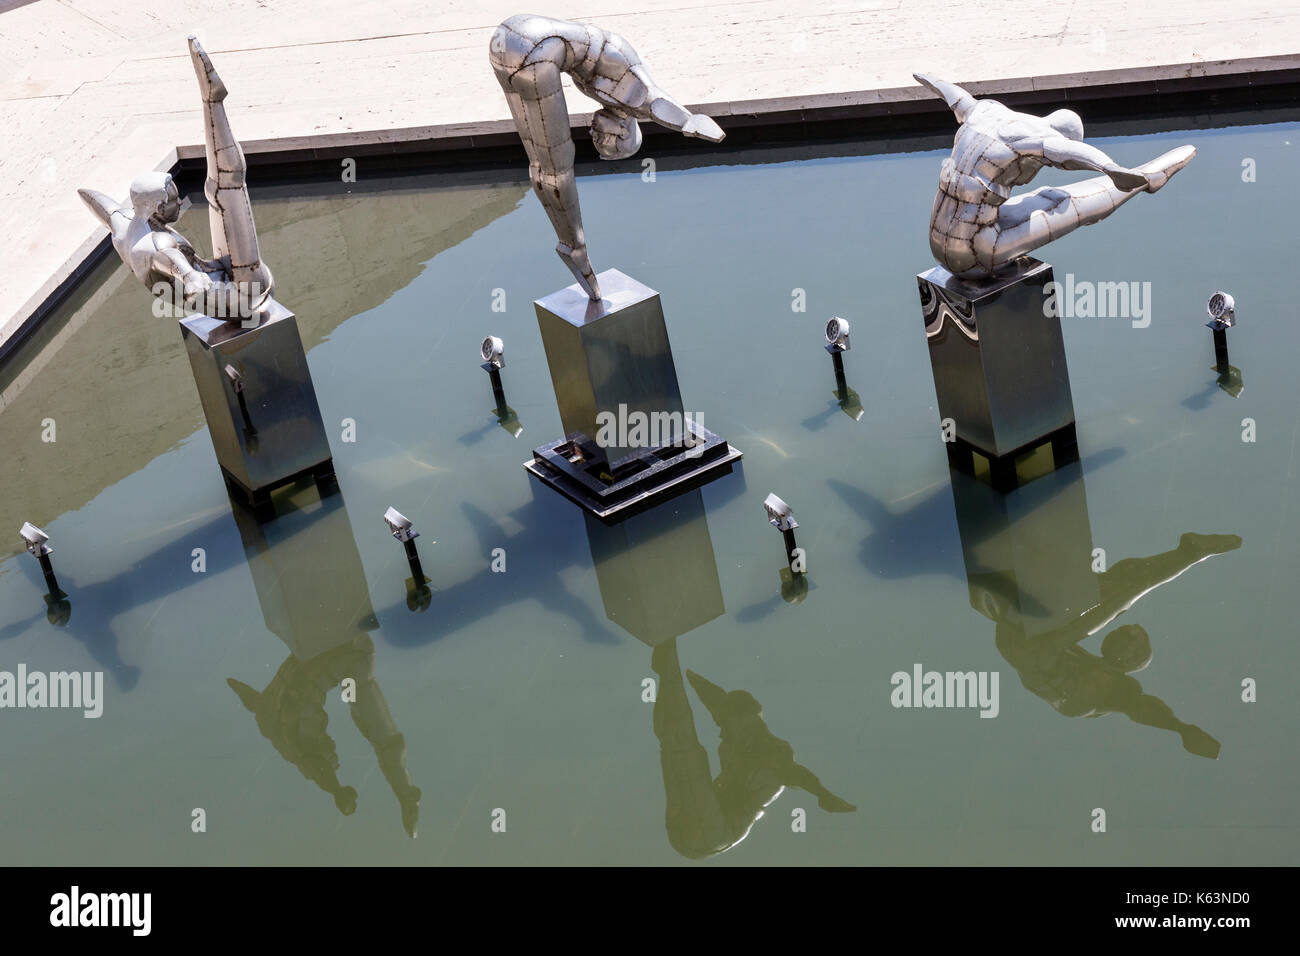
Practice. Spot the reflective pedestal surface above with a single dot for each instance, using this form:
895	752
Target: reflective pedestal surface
608	355
998	360
265	422
629	442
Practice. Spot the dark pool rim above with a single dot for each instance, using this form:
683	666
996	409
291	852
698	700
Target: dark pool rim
828	125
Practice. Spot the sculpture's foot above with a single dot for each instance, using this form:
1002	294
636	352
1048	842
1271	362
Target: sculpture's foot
580	266
1161	169
210	85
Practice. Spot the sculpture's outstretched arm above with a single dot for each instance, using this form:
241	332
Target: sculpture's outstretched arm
1070	154
101	205
667	112
194	281
958	100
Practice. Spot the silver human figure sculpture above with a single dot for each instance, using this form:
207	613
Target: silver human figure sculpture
529	54
235	283
977	226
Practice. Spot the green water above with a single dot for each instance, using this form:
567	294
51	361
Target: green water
515	691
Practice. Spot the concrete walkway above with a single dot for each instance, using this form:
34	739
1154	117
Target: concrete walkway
98	91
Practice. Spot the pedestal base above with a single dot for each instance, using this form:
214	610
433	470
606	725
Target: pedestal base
259	402
637	484
998	359
259	502
1002	469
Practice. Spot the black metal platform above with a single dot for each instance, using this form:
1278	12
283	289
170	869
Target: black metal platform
577	470
260	502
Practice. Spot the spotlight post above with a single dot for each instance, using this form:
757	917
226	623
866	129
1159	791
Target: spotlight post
37	542
1223	316
493	351
781	516
837	343
401	528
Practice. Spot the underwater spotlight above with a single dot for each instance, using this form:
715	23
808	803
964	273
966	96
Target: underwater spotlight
780	514
837	334
493	351
38	543
400	525
1222	309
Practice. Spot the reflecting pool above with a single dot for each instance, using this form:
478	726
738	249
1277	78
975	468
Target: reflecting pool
660	691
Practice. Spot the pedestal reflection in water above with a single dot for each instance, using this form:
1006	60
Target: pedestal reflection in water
659	580
1032	570
314	597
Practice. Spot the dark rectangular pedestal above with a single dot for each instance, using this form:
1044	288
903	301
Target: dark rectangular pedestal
998	359
266	428
611	362
608	357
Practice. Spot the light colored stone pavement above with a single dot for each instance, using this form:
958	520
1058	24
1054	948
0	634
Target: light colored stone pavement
100	90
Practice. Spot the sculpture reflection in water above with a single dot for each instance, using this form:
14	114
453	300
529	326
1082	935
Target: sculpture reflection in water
658	580
314	597
1029	565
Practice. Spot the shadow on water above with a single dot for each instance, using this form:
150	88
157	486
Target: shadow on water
548	544
86	613
906	542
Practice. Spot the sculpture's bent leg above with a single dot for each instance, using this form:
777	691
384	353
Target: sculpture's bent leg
234	236
536	101
1035	219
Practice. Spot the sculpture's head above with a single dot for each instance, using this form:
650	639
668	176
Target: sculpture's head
1127	647
616	135
155	196
1068	123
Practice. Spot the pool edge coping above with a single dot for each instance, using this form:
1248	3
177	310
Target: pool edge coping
456	143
